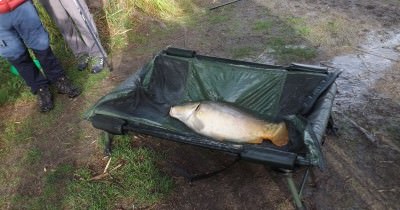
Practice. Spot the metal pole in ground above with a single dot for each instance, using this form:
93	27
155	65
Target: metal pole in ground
227	3
91	31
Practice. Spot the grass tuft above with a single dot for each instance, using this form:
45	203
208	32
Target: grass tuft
119	19
33	155
242	52
262	25
285	50
11	87
299	25
136	183
334	33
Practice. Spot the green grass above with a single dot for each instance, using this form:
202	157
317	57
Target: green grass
262	25
216	18
335	32
332	32
55	186
55	183
34	155
287	43
299	25
284	40
241	52
118	21
11	87
163	9
285	52
15	133
137	182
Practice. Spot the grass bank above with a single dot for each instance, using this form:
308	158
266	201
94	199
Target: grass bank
26	139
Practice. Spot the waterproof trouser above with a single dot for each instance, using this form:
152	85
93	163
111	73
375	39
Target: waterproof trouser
32	76
68	19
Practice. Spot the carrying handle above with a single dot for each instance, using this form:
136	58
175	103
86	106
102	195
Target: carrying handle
180	52
309	68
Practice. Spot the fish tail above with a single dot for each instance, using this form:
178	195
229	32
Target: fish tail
277	134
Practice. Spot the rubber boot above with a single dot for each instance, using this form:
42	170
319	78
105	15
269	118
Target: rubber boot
97	64
45	99
83	62
64	86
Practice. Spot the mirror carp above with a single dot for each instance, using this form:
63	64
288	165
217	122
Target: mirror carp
222	121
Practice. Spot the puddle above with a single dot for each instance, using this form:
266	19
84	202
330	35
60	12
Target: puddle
364	68
361	70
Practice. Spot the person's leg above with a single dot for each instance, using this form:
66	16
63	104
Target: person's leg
34	79
13	49
30	28
73	11
36	37
66	26
92	49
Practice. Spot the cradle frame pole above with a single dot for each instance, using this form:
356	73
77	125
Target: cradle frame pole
108	138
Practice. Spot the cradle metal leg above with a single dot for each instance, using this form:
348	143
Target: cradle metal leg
293	189
303	182
332	129
107	143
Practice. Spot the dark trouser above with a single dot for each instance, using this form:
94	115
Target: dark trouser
32	76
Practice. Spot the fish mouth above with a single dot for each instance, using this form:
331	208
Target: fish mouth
171	111
183	112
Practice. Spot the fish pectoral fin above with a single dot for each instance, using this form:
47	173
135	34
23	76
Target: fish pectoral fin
277	134
218	137
197	124
281	136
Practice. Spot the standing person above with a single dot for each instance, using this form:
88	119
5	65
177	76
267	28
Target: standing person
20	29
77	32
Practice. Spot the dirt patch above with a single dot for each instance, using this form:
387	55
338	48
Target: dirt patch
387	84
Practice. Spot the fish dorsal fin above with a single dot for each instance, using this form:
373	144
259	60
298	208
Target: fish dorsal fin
197	107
